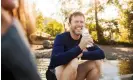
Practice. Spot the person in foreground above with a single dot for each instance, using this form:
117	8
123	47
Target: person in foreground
68	48
16	59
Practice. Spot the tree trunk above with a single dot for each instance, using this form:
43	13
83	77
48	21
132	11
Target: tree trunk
98	28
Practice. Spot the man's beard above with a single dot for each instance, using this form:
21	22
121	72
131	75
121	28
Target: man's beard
77	33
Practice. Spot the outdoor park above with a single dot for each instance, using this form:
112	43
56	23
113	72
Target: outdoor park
110	23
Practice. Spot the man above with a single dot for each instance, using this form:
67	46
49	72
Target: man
68	48
16	58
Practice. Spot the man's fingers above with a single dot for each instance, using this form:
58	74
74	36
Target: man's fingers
80	55
90	40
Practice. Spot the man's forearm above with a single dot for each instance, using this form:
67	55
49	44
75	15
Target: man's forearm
61	58
93	55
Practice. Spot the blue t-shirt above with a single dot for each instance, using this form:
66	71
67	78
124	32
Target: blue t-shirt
66	48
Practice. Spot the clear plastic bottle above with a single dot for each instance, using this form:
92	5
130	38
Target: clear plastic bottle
85	33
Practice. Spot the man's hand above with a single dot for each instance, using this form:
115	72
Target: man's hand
80	55
85	40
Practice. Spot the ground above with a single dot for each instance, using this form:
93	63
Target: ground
111	52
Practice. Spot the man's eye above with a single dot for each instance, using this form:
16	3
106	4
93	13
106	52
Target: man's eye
76	21
81	21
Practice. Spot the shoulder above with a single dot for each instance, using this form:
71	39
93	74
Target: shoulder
63	35
61	38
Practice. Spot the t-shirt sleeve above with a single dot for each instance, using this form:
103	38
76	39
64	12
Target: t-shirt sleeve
93	53
61	57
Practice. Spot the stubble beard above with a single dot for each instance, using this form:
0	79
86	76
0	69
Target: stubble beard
76	33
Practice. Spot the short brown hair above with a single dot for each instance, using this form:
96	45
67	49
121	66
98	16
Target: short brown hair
75	14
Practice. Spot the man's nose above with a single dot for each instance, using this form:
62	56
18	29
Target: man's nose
80	24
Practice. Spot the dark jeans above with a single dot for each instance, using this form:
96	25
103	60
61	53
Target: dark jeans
50	74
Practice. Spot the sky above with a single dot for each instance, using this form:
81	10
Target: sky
50	7
110	12
47	7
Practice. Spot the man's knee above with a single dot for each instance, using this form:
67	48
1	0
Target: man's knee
59	71
73	64
70	70
94	65
98	65
71	67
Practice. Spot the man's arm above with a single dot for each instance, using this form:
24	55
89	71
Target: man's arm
59	56
93	53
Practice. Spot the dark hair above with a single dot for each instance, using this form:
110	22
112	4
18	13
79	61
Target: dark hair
75	14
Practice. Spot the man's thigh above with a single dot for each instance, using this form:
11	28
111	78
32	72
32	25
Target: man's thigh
85	66
59	71
68	70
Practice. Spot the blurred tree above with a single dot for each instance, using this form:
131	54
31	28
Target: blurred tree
67	8
126	16
53	28
125	67
40	22
123	24
100	36
110	30
94	9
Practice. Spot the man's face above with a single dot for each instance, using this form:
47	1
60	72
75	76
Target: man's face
9	4
76	25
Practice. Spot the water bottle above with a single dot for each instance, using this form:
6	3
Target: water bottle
85	33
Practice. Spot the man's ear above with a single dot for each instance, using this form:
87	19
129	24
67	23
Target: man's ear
69	24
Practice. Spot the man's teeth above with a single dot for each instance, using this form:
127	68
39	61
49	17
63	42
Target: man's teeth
79	28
